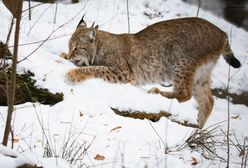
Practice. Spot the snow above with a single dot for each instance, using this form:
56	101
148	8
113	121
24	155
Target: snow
10	158
84	116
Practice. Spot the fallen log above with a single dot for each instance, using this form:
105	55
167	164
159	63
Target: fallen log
241	98
220	93
152	116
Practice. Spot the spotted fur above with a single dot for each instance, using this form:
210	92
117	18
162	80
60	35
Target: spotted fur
182	51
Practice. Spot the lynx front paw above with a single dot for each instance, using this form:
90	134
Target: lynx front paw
64	55
74	75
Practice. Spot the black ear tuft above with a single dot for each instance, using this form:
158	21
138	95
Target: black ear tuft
81	22
92	25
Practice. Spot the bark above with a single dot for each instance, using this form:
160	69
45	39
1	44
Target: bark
14	7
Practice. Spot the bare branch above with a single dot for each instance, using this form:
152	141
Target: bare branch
128	21
54	32
198	9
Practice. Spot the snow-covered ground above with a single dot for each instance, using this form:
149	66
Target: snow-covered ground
84	116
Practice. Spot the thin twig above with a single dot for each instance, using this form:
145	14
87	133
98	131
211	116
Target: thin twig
128	21
32	7
56	10
42	128
38	19
29	9
228	112
206	142
6	49
40	41
198	9
246	158
9	33
54	32
165	145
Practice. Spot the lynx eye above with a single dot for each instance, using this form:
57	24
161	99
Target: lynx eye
74	48
84	49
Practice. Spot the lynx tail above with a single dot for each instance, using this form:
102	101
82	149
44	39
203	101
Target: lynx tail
229	57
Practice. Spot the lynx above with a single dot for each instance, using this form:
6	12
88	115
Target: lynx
181	51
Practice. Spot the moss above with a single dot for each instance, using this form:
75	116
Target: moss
26	91
4	51
32	93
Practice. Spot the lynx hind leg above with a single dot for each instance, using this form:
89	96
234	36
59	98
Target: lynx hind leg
202	93
169	95
182	90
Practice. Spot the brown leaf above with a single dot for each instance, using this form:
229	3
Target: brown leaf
194	161
81	114
235	117
116	128
15	140
242	153
99	157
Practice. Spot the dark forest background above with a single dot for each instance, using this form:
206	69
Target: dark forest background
234	11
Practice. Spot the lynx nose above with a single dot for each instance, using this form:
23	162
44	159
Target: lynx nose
83	64
76	62
79	63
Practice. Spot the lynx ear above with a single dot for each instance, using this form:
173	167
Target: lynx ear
81	23
92	33
96	27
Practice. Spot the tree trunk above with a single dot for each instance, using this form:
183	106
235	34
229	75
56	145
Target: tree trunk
11	88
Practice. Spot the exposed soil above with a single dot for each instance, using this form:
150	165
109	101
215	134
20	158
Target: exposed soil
234	98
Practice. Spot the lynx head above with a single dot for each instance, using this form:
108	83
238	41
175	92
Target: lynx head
83	44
